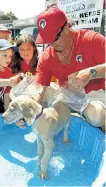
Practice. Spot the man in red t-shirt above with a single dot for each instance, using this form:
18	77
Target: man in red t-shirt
75	56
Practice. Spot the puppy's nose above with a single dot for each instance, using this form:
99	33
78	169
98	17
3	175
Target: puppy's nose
2	116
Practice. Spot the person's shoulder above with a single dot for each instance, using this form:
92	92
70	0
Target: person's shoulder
88	34
88	37
8	72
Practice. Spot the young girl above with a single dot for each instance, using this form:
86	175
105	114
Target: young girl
26	59
6	79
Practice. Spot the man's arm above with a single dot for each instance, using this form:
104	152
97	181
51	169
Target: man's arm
100	71
82	77
39	97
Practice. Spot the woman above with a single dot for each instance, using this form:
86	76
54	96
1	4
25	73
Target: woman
26	59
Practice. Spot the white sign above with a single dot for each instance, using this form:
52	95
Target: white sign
84	13
49	3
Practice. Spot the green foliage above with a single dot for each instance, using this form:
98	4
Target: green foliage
9	16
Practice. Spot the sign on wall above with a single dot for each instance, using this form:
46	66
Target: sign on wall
49	3
85	13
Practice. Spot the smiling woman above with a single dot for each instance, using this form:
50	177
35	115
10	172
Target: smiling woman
26	59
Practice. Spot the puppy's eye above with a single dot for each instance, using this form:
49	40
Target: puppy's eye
11	108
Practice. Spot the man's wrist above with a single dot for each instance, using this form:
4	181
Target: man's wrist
93	73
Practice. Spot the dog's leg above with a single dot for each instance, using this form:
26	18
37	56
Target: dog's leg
48	148
66	137
40	150
6	101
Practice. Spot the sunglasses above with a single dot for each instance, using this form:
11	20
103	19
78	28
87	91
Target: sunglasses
60	32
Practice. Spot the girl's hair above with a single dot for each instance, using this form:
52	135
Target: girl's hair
16	66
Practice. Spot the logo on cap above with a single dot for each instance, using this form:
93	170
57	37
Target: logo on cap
79	58
42	23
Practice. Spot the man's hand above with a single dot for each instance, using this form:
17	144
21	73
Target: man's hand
80	79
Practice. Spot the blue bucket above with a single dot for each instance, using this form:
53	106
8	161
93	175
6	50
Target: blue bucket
77	164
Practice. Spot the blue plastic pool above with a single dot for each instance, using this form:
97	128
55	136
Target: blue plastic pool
75	164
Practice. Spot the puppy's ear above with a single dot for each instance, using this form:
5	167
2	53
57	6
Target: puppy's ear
27	110
12	106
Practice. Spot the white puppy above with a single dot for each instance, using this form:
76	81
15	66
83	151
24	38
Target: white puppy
45	123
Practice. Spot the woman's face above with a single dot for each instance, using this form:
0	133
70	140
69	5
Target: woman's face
26	51
5	58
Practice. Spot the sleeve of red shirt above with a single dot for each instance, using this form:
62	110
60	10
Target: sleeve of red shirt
8	88
43	73
8	75
99	46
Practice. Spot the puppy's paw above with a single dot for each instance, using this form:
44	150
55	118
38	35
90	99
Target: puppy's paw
39	163
43	175
66	140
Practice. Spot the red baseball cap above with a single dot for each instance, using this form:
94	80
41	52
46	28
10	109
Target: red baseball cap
4	29
49	23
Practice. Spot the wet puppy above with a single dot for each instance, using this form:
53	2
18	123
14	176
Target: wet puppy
45	124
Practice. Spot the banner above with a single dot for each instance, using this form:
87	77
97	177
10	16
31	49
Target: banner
49	3
84	13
